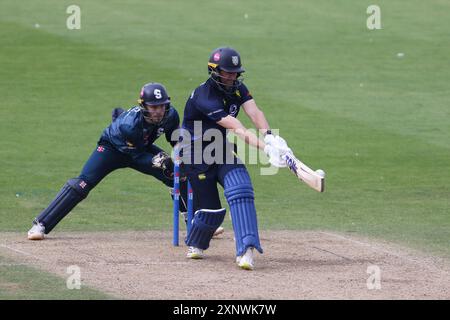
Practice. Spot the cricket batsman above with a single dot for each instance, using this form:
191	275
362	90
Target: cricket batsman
128	142
215	105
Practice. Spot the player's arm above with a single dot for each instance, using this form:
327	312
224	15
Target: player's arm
259	120
174	125
276	147
256	116
129	133
235	126
133	145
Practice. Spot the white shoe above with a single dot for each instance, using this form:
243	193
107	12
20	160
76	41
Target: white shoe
195	253
218	231
246	260
36	232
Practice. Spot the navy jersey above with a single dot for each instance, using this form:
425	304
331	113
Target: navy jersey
131	134
208	104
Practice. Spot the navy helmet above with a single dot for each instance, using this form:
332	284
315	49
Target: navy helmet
229	60
153	94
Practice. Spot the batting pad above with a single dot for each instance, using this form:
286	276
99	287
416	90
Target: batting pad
204	224
241	199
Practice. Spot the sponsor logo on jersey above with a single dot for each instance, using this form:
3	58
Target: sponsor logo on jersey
100	149
233	109
201	176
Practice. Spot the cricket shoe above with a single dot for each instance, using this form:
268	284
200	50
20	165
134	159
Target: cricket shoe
246	260
195	253
36	232
218	232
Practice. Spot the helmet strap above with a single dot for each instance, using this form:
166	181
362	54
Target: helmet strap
215	76
149	120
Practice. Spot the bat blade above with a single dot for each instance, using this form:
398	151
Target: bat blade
305	173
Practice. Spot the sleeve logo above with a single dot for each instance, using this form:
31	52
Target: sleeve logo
233	110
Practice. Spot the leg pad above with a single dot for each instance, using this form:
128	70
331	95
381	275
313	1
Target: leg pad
204	224
74	191
240	196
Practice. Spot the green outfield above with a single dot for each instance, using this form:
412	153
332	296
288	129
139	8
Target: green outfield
19	281
375	121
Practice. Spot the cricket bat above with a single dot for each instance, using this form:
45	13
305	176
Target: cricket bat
304	173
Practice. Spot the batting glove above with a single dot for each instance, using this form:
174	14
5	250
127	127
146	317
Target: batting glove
277	142
269	139
275	156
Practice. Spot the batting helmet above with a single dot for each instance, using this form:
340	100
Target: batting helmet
229	60
153	94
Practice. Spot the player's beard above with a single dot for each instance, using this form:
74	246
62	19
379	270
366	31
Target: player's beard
227	85
153	119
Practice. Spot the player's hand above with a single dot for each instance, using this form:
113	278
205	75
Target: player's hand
278	143
275	156
116	113
269	139
163	161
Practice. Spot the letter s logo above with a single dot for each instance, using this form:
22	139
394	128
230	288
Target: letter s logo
157	93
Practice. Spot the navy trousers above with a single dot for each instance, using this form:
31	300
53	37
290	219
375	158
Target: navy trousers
106	159
204	184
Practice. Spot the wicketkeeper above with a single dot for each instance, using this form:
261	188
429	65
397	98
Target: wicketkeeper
128	142
214	105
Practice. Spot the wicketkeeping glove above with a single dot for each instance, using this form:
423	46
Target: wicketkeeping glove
164	162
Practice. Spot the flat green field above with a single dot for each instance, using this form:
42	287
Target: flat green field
377	122
18	281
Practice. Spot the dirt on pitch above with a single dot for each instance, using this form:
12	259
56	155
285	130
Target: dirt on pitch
295	265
